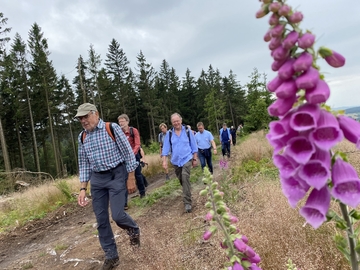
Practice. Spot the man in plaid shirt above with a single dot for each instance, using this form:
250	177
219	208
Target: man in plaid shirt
105	161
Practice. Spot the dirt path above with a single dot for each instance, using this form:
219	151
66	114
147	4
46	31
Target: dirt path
66	239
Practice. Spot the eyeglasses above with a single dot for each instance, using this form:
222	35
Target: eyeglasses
79	118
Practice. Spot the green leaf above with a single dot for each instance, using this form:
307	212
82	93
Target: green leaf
355	214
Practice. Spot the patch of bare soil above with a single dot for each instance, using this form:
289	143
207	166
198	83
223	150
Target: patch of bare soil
67	239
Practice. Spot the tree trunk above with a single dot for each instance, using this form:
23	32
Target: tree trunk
56	158
21	152
4	149
73	142
35	147
81	82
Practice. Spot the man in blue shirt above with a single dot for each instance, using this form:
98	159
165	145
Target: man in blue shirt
205	140
183	148
225	139
105	160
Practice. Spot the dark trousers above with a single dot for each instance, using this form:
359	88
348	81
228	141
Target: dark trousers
205	158
225	148
139	181
110	187
183	174
234	140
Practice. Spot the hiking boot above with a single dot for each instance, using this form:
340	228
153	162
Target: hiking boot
167	178
126	207
187	208
134	237
110	263
142	196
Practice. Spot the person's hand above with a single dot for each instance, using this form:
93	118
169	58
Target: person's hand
194	162
215	151
131	182
165	164
82	200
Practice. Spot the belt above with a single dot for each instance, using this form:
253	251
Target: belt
110	170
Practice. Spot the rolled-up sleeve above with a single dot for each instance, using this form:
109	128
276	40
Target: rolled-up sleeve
166	145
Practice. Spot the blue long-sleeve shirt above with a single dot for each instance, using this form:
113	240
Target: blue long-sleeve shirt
182	149
99	152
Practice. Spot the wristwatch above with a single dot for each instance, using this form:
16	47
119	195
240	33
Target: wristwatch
82	189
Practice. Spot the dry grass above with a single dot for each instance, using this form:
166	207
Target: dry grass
154	166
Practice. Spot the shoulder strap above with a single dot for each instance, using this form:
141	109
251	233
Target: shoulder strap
110	130
131	132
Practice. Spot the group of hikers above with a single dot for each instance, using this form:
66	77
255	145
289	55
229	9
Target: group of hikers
110	157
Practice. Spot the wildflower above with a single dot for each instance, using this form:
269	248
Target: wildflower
284	10
319	94
287	89
300	149
350	128
308	79
316	207
207	235
346	183
327	133
286	71
274	6
234	219
305	117
281	106
280	53
223	164
276	65
290	40
274	19
277	30
333	58
306	41
285	164
294	189
209	216
244	239
274	43
316	172
296	17
253	266
303	62
240	245
237	266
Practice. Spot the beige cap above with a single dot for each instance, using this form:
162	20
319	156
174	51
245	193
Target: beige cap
85	108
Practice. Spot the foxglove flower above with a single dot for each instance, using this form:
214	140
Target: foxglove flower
253	266
280	53
244	239
316	207
237	266
277	30
286	165
290	40
240	245
209	216
274	6
287	89
319	94
346	183
306	41
274	83
274	19
294	189
284	10
327	133
249	252
296	17
207	235
350	128
267	36
308	79
274	43
305	117
303	62
316	172
276	65
300	149
286	71
255	259
281	106
333	58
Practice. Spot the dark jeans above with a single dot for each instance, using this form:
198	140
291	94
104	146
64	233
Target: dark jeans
225	148
110	186
183	174
205	157
234	140
139	180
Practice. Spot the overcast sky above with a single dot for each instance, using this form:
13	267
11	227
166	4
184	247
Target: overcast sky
189	34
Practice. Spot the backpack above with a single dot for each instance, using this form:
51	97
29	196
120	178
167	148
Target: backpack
109	130
171	131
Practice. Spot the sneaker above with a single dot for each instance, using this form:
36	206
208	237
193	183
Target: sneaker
134	237
142	196
167	178
110	263
187	208
126	207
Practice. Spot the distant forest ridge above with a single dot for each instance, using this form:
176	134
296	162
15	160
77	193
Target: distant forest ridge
353	110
